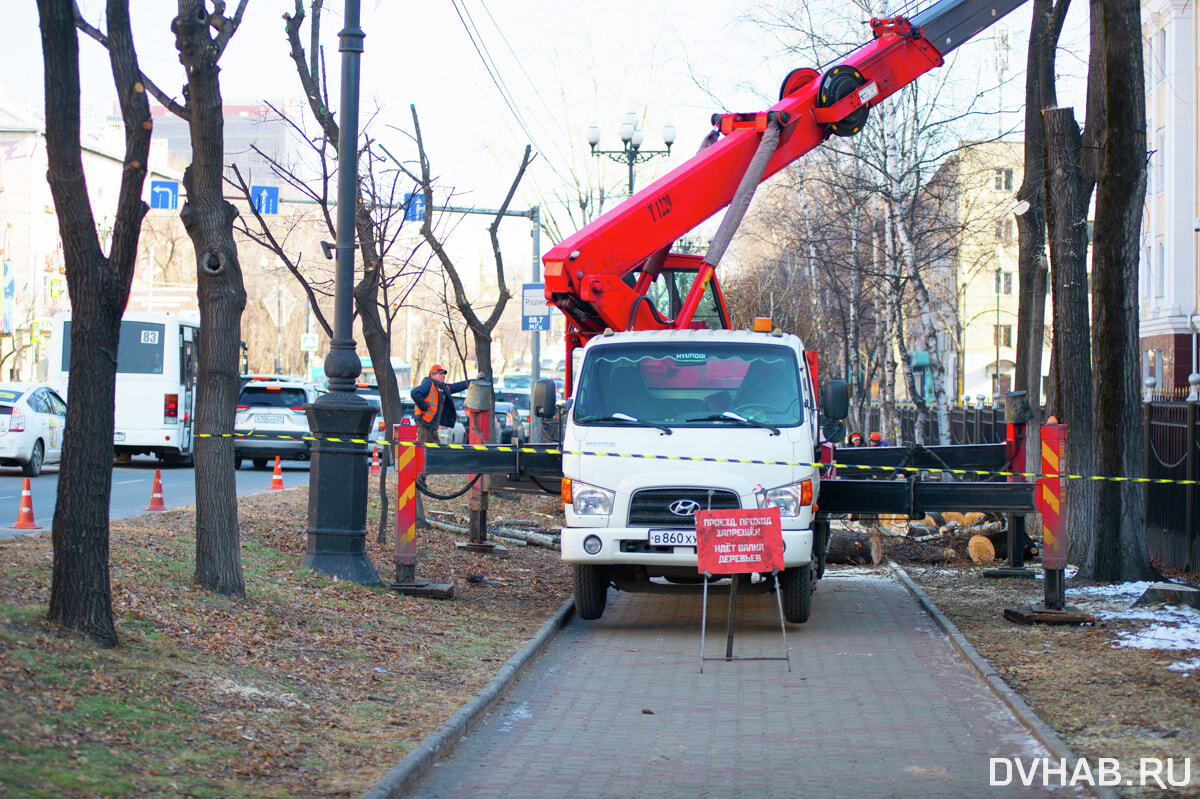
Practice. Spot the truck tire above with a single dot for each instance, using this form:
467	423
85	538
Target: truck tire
795	591
591	591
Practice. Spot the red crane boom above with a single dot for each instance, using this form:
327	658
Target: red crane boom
600	276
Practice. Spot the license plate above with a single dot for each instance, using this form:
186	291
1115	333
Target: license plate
268	418
672	538
118	437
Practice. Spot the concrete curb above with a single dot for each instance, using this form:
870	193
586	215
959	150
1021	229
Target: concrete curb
1041	730
405	775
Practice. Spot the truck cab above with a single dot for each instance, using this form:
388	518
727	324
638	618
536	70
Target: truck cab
738	405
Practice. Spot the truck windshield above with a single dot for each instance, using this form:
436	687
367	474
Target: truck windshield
691	385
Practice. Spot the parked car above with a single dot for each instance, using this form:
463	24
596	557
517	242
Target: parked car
458	433
271	421
32	419
508	422
520	402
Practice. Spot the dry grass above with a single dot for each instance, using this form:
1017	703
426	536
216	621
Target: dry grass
309	687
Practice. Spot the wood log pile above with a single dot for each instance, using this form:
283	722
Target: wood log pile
936	538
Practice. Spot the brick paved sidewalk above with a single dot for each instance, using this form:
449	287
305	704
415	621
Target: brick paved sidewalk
878	704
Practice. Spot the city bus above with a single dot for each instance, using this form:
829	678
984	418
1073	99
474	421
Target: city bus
156	382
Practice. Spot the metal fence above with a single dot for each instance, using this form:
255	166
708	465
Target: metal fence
1172	452
1172	435
968	424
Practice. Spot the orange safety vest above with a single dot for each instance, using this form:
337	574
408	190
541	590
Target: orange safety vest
430	415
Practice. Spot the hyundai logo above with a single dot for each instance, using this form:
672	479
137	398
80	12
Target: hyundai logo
684	507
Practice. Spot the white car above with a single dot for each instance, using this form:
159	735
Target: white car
32	419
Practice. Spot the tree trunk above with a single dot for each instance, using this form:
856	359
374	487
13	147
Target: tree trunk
80	593
1119	548
1067	218
208	219
854	546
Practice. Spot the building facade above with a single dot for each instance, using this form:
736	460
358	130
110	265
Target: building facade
1168	298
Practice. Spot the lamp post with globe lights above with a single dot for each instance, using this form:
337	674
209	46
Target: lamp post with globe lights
631	151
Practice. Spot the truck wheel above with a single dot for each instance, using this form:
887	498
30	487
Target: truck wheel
795	590
591	591
259	463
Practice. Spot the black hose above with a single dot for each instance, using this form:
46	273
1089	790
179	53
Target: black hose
424	489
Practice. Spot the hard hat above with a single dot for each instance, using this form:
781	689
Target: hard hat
437	367
876	437
856	436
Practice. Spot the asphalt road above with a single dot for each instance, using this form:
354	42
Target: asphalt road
132	484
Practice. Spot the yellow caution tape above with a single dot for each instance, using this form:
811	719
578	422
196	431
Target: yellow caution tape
746	461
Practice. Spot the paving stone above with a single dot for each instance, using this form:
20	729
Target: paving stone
878	704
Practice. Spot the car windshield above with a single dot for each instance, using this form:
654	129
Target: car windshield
690	385
273	397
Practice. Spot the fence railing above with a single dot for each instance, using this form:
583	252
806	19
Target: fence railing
1171	431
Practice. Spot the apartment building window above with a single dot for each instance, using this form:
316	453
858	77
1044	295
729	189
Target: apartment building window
1160	164
1148	66
1004	230
1160	282
1004	282
1004	180
1144	273
1002	335
1162	55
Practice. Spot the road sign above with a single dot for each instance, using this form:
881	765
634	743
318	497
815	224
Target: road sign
164	194
414	207
266	199
739	541
308	342
535	314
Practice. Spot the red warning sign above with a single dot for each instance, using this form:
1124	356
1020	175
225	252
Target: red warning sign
739	541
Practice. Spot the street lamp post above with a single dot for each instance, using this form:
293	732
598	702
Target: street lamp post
631	151
340	419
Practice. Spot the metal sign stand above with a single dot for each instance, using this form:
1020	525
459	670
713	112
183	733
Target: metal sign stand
732	619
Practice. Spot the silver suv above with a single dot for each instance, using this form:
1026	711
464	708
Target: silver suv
271	421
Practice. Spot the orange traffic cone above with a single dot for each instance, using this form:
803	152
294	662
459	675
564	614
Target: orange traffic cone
277	479
156	501
25	515
375	460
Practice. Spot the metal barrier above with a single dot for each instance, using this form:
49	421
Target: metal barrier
1171	431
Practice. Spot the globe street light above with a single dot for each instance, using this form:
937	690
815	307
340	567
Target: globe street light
631	151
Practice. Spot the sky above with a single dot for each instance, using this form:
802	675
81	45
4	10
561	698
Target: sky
552	69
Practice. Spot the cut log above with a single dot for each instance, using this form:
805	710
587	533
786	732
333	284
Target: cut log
981	550
854	547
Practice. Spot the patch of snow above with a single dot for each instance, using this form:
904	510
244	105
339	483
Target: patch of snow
1175	628
1185	666
1115	590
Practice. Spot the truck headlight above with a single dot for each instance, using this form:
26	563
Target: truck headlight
589	500
790	499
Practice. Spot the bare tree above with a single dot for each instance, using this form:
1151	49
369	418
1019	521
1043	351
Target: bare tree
98	284
1119	551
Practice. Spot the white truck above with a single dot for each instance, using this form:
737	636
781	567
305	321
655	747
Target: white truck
642	400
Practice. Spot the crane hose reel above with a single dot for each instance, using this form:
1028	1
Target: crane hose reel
837	83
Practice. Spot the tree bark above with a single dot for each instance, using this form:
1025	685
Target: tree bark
80	593
1119	550
1066	206
208	220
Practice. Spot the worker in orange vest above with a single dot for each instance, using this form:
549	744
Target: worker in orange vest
433	404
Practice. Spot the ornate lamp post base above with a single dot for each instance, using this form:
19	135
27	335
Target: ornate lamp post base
337	504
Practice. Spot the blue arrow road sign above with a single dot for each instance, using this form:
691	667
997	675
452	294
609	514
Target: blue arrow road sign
414	207
266	199
164	194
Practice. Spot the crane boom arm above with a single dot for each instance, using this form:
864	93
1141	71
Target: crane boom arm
589	274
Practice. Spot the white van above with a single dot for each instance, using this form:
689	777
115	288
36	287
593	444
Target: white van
703	394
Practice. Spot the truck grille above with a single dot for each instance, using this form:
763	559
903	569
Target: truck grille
652	507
